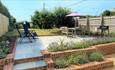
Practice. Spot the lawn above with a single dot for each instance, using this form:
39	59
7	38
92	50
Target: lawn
44	32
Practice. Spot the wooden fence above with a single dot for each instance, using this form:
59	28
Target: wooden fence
96	22
4	22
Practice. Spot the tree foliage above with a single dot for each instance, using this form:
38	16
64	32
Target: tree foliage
47	19
106	13
4	10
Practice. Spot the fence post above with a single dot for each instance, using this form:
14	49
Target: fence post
88	25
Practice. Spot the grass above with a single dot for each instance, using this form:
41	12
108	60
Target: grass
45	32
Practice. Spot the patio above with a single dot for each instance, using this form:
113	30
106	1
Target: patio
26	49
32	49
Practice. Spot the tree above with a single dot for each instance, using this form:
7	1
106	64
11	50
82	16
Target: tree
4	10
12	23
47	19
106	13
60	17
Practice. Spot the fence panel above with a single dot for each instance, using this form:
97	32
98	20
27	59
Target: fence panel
96	22
4	22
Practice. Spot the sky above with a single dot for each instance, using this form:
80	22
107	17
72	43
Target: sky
23	9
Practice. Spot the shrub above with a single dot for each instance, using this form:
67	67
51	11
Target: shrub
61	63
2	55
81	59
96	56
4	49
77	58
71	59
61	45
81	45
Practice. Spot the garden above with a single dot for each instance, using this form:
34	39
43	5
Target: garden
82	55
7	48
77	59
61	46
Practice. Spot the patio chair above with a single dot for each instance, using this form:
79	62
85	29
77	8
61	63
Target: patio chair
26	33
65	30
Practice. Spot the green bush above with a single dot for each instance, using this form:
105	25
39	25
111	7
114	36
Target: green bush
4	49
61	46
79	58
61	63
96	56
81	45
2	55
71	59
5	43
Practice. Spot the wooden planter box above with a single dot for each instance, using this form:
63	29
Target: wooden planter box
104	48
91	66
4	63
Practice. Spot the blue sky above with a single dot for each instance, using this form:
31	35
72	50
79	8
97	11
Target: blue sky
24	9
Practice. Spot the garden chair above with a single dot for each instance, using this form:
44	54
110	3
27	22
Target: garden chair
65	30
26	33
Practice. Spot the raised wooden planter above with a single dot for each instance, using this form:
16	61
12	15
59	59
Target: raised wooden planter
104	48
8	60
91	66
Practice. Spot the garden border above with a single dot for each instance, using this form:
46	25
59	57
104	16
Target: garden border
106	49
91	66
7	63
